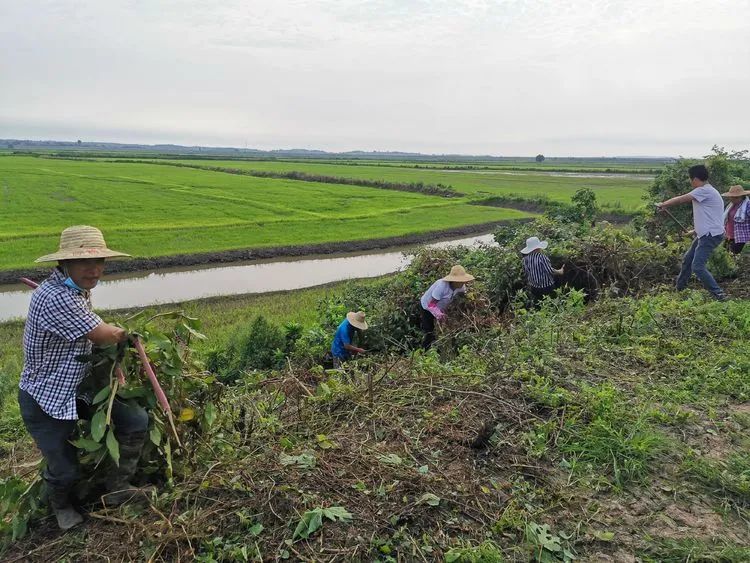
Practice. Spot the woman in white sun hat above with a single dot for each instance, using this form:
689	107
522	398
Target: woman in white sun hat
60	327
540	275
737	218
436	299
342	347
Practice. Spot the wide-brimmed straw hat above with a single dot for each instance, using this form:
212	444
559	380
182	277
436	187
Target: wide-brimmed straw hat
81	242
458	274
736	191
357	320
533	243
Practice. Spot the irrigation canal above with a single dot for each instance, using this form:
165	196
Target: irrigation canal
175	285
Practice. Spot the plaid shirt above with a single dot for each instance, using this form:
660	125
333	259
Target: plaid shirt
742	231
59	320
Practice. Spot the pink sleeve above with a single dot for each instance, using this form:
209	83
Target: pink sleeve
435	310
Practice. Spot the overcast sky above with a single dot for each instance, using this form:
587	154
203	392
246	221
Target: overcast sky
513	77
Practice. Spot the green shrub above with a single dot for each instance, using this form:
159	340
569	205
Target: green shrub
260	345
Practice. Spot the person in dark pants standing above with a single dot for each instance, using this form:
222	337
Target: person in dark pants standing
60	327
708	228
540	275
436	299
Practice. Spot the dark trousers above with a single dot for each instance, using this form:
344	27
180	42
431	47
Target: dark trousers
51	436
735	247
538	293
427	322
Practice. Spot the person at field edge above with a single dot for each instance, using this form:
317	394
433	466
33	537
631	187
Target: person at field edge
737	218
437	298
708	228
342	347
60	327
540	275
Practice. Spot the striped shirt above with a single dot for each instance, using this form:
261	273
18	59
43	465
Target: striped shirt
55	335
538	270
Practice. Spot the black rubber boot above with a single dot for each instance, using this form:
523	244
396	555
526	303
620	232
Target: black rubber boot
59	501
119	487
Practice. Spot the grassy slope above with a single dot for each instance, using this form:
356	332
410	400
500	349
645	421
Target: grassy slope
622	425
159	210
619	191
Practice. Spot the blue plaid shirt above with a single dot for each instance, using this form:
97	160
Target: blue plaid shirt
59	320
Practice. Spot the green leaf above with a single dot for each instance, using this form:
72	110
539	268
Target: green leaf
337	513
132	393
255	529
86	444
604	536
305	460
324	443
98	425
308	524
430	499
194	332
210	414
113	446
390	459
20	527
101	395
155	435
315	522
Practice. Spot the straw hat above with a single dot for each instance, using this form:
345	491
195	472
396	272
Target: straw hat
357	320
532	243
736	191
458	274
80	242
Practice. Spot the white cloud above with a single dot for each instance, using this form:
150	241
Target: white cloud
502	77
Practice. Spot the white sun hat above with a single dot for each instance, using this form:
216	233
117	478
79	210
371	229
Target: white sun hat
81	242
533	243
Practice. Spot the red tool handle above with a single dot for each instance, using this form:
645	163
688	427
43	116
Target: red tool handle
31	284
158	391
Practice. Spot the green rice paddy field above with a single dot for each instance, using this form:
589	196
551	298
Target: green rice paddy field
616	192
151	210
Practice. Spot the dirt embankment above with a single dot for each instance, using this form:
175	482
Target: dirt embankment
250	254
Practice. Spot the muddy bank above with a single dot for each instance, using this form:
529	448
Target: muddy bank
251	254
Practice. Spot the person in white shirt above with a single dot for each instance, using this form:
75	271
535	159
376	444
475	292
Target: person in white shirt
708	223
436	299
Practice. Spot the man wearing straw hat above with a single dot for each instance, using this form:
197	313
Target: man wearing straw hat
708	209
60	327
436	299
342	347
737	218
